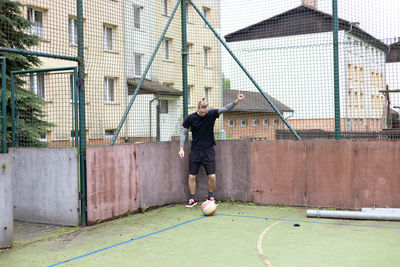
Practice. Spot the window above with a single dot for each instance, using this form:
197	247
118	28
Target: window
138	64
43	137
37	18
255	122
355	99
166	49
136	16
109	90
189	53
231	123
206	11
187	13
356	74
73	31
265	122
163	106
206	94
276	122
109	133
361	77
37	84
164	7
189	94
362	100
206	53
73	135
243	122
108	38
350	75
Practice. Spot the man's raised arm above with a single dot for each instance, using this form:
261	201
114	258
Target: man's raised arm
239	98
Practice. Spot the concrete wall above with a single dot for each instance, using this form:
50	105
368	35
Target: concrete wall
341	174
122	178
6	210
164	176
45	185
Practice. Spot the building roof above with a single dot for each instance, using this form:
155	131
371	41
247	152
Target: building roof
253	102
393	113
303	19
151	87
394	52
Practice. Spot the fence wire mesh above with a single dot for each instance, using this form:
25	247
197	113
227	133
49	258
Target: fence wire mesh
286	46
45	109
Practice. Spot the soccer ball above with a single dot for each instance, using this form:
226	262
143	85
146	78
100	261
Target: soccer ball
208	208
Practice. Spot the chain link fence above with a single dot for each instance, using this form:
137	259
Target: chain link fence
51	121
135	86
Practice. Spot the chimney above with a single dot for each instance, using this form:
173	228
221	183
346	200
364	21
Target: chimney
310	3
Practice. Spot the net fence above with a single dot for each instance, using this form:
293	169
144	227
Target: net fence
134	84
46	105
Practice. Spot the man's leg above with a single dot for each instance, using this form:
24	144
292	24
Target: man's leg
209	165
192	188
212	180
194	166
192	184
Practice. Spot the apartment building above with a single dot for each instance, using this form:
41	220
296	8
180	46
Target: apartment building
290	55
119	38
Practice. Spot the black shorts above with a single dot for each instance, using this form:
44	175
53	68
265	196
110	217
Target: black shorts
205	157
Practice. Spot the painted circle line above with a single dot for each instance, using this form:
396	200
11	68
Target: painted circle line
259	245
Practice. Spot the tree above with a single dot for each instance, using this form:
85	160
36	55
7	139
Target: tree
29	108
226	83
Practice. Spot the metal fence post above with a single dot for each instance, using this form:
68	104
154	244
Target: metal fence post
82	123
3	105
76	103
184	59
336	68
13	120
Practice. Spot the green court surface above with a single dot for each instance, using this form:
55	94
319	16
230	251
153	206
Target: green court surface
238	235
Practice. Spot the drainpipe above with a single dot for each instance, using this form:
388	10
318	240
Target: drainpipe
158	121
151	102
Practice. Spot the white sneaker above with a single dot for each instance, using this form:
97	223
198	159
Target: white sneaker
213	199
191	203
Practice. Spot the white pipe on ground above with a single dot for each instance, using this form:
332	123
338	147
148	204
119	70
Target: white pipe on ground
380	210
339	214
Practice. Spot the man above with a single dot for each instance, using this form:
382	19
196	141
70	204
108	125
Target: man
203	142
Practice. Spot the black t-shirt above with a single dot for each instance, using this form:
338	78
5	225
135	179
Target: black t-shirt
202	129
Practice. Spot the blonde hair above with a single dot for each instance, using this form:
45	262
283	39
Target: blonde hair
203	103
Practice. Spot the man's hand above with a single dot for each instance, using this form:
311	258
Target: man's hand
181	153
239	98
